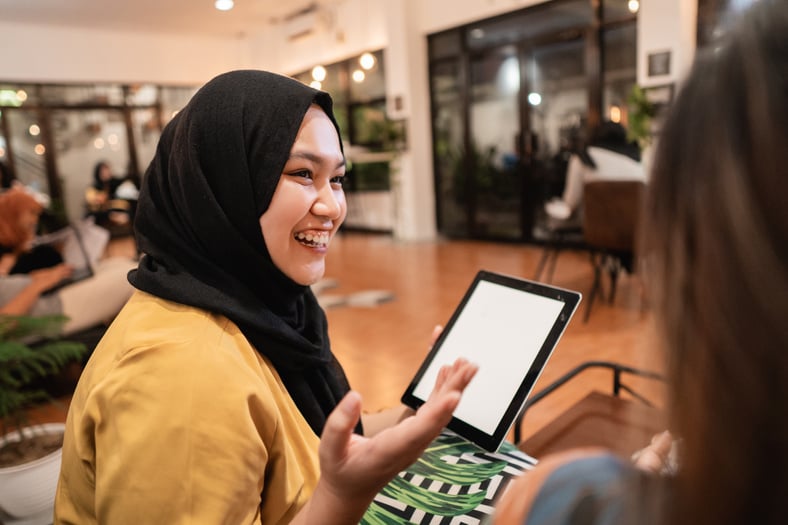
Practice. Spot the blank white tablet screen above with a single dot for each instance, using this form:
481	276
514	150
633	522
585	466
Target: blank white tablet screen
501	329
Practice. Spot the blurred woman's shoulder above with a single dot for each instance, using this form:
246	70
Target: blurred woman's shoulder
589	487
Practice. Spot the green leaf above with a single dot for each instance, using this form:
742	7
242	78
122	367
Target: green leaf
377	515
432	502
30	348
457	474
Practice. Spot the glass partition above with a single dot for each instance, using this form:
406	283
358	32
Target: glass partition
510	96
29	151
52	135
558	106
83	139
447	124
492	158
619	71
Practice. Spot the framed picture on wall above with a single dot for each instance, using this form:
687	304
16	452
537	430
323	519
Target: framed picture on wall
659	64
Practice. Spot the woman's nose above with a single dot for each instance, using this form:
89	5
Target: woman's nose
328	202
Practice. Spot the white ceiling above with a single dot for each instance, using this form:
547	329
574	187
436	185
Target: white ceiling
172	16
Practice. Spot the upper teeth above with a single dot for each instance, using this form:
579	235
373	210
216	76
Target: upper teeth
317	238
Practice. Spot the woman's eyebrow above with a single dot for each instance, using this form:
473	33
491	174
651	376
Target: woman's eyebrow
317	159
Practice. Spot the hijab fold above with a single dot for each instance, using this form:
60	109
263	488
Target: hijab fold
214	174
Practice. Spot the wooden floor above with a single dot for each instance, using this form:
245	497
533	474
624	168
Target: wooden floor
381	347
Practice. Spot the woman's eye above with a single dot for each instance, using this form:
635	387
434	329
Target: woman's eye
338	180
306	174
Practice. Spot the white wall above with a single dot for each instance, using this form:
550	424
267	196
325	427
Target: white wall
348	29
667	25
57	54
437	15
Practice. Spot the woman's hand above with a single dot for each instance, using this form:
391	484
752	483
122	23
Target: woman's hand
655	458
355	468
7	261
40	282
46	278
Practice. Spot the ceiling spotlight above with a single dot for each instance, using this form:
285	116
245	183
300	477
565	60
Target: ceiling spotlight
359	76
224	5
633	5
367	60
319	73
316	84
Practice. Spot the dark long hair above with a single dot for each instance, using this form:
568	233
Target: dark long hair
717	237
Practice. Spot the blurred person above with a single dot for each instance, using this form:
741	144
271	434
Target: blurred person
717	254
110	199
608	156
29	278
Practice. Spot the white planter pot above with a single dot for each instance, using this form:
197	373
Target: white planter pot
27	492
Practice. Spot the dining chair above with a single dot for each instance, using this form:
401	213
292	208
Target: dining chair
611	222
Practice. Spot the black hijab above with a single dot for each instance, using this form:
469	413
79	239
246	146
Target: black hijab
214	173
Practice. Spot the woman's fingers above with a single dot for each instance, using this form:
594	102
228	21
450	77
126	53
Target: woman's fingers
653	458
354	467
339	427
449	385
436	333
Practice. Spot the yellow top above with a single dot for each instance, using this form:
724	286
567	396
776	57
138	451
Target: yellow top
176	419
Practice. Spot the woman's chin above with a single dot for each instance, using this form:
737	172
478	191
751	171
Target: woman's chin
309	275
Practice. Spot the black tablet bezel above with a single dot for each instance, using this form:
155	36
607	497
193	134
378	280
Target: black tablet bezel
492	442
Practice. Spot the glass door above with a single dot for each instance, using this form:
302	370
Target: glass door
491	157
528	110
558	101
448	133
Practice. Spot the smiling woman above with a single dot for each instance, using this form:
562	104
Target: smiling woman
310	205
215	397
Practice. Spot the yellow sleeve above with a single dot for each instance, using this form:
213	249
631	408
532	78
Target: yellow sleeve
180	436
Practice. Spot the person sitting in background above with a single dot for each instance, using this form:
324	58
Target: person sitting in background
608	156
717	254
25	280
110	200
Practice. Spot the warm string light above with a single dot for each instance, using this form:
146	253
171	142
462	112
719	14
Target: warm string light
367	61
633	6
224	5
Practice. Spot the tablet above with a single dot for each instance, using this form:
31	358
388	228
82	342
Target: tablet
508	327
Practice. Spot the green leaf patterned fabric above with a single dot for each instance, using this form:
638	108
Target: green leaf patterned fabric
454	481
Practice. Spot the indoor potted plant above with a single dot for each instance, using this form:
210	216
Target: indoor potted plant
642	115
29	455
